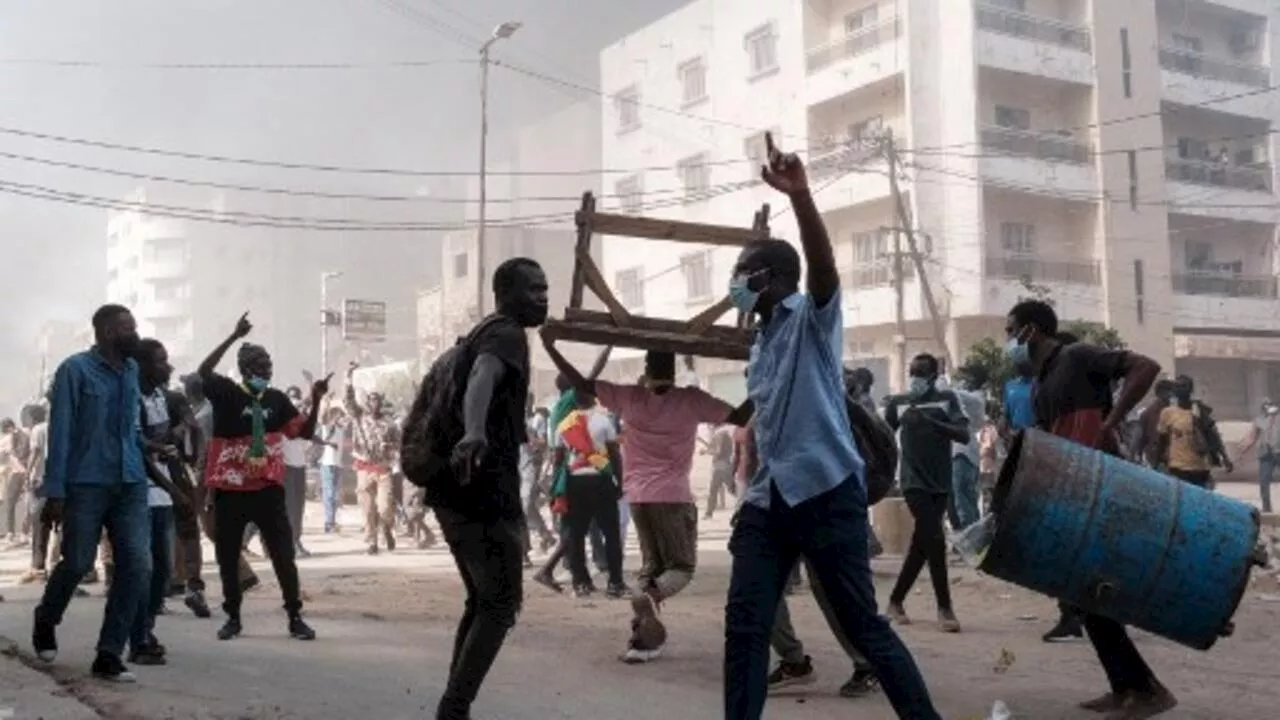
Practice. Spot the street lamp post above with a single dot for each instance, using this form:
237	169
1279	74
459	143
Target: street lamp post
325	277
501	32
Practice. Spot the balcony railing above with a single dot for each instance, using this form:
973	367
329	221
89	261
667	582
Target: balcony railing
1225	284
1033	269
1199	65
1034	27
1044	146
1256	176
827	160
853	44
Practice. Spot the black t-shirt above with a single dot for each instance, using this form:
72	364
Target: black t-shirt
494	490
1073	393
231	402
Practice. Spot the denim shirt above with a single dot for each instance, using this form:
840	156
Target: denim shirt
94	436
796	382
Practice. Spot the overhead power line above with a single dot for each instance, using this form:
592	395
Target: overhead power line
104	65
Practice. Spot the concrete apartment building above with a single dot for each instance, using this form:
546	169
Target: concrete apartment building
188	281
529	215
1114	155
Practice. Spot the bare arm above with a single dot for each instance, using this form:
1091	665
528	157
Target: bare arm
210	365
601	361
823	279
575	379
741	415
1139	373
615	459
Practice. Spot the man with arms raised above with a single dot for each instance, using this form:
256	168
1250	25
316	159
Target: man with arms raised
807	496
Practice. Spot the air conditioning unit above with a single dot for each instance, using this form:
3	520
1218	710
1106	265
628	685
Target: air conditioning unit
1245	41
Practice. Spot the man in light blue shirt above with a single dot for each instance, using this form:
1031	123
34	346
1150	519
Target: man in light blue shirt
807	497
94	479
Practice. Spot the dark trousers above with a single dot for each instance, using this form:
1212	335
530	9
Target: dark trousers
830	531
1125	667
593	498
151	599
489	555
266	509
1199	478
928	544
41	534
295	498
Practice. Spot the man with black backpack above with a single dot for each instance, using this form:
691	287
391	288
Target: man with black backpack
462	445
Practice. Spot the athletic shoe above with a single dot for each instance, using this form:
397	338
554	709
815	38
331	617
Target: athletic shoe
45	639
1068	628
299	629
196	603
230	629
147	655
109	667
862	683
792	675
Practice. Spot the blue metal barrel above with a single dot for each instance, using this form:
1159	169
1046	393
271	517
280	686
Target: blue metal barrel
1121	540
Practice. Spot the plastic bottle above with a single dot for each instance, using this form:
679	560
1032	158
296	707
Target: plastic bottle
1000	711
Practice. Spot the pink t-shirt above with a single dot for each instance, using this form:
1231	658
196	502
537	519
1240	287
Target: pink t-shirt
659	437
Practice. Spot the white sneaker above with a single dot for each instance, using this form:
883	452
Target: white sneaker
636	656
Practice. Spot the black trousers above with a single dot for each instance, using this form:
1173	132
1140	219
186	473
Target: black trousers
593	498
1199	478
928	544
266	509
1126	669
490	556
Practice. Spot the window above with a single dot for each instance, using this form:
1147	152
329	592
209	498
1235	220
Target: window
866	133
762	50
630	192
695	176
1018	238
697	275
869	247
1139	291
1133	179
630	286
627	105
862	19
1188	43
1192	149
693	81
460	265
1012	117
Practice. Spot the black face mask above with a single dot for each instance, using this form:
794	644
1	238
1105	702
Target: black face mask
1182	395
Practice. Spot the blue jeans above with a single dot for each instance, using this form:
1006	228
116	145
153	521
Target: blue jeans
1266	473
121	509
830	531
330	493
149	603
964	492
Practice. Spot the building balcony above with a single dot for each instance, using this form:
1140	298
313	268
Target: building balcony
163	269
1034	44
854	61
1038	270
1192	78
1038	162
158	309
1075	285
1241	192
1227	285
849	176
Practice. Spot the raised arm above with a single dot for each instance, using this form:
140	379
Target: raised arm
210	365
785	173
601	361
1139	373
571	375
349	394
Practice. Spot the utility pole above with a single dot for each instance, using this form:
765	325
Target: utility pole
904	219
501	32
900	337
325	316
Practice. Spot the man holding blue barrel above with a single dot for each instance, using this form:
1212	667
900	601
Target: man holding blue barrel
1073	399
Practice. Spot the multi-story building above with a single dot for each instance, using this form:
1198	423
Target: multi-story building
1114	156
188	281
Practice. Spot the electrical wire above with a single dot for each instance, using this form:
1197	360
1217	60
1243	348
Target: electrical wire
102	65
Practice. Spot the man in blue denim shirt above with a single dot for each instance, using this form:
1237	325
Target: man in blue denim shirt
807	497
95	479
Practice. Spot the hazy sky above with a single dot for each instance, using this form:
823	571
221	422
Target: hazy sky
422	117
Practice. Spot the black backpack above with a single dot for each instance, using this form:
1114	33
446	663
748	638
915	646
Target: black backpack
434	424
878	447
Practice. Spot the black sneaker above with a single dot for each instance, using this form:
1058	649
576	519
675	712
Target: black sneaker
862	683
583	590
1068	628
153	643
300	630
792	675
373	550
390	539
44	637
230	629
616	591
147	655
196	603
109	667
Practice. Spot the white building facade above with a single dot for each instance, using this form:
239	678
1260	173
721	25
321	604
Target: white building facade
1114	156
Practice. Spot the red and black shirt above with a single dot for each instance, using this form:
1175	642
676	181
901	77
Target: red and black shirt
229	465
1073	393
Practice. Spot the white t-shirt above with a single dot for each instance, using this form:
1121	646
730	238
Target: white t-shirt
332	456
295	452
157	413
600	425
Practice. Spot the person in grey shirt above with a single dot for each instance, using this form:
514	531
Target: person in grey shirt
965	459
